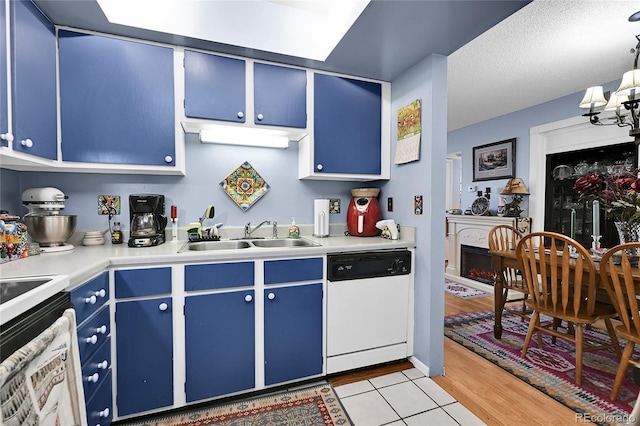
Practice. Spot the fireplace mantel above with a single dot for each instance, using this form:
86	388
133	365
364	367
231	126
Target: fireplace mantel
474	231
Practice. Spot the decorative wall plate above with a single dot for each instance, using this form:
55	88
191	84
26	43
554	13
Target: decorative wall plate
480	206
245	186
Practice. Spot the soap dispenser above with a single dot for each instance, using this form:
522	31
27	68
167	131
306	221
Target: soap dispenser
294	231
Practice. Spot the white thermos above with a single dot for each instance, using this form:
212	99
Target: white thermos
321	218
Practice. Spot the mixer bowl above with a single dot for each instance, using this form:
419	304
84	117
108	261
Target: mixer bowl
50	230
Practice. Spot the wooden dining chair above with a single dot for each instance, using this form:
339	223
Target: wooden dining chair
619	272
502	238
562	280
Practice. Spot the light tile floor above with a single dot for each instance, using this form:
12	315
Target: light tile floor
405	398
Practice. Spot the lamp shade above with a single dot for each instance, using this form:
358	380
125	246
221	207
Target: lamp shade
515	186
630	84
593	98
615	102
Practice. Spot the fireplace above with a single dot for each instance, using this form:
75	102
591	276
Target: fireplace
472	233
475	264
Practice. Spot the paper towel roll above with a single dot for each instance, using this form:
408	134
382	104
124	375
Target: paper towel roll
321	218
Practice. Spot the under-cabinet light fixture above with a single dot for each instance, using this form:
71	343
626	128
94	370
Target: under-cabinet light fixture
248	136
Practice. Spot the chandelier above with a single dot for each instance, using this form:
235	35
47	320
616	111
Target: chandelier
624	102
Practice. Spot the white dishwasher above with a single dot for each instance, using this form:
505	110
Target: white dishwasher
368	312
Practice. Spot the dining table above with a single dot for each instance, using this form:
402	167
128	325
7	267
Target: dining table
502	259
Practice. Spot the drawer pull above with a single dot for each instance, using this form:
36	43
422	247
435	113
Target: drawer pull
90	300
6	137
104	413
100	293
93	378
102	330
103	365
92	340
260	117
248	298
240	114
271	296
28	143
163	306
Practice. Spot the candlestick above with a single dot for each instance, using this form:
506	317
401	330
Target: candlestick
572	231
596	217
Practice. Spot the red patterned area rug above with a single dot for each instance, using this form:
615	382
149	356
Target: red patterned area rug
311	406
551	370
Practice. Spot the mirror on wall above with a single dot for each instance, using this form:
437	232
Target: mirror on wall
454	180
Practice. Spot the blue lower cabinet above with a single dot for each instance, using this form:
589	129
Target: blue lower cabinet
96	369
144	355
293	329
219	344
93	333
99	406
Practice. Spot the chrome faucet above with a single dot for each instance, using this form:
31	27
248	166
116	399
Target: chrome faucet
275	230
248	231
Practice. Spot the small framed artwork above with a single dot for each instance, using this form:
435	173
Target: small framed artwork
495	160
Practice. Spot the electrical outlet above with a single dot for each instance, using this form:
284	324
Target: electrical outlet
389	204
417	204
108	204
334	205
472	189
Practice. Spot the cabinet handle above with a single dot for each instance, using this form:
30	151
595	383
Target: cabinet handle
90	300
103	365
101	330
93	378
248	298
163	306
100	293
26	143
104	413
319	167
92	340
260	117
271	296
240	114
6	137
168	159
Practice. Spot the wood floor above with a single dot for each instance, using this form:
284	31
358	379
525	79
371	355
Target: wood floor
492	394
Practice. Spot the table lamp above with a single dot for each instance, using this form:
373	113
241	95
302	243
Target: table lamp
516	188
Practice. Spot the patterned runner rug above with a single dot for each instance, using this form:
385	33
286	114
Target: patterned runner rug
316	405
551	370
462	290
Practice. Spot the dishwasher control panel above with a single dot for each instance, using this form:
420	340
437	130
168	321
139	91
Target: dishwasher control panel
373	264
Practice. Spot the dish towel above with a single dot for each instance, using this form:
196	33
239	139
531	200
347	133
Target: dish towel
41	383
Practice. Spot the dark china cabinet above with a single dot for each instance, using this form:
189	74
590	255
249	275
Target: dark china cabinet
562	170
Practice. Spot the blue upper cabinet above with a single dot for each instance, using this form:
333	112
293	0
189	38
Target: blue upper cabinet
33	81
280	96
4	123
347	126
117	101
215	87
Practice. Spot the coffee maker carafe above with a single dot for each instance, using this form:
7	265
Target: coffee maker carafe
364	212
148	220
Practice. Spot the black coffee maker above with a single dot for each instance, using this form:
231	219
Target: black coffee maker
148	220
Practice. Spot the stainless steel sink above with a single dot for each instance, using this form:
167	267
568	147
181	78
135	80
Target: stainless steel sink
215	245
289	242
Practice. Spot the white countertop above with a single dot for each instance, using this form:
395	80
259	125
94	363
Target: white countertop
82	262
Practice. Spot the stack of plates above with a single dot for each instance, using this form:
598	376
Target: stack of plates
93	238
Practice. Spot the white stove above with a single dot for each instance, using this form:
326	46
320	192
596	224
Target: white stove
19	294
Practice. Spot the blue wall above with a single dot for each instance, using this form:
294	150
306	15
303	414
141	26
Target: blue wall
426	81
207	165
514	125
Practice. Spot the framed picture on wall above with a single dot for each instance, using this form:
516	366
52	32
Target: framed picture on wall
495	160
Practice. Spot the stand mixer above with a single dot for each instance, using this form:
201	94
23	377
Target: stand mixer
45	224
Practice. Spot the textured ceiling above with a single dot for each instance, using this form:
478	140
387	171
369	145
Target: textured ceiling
544	51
